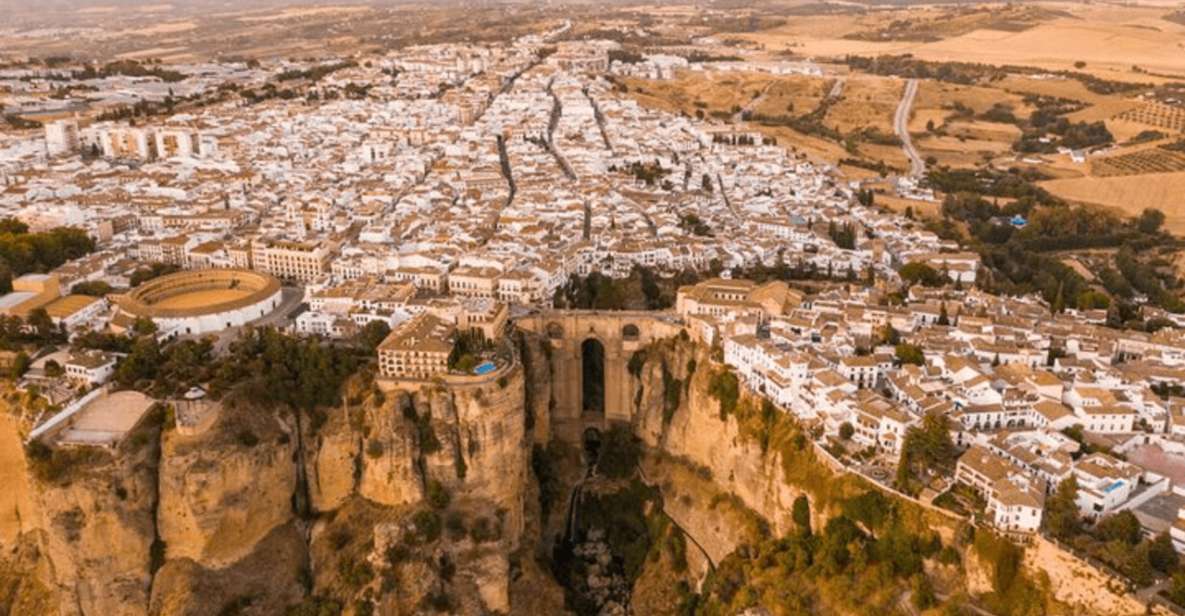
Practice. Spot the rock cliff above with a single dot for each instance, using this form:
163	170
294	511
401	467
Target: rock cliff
402	500
447	497
224	491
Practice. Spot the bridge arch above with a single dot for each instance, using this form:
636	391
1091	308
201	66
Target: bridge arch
592	378
574	335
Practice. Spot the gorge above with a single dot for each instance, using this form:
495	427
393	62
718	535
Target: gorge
616	466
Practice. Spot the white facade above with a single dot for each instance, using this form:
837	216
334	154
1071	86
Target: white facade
61	137
215	322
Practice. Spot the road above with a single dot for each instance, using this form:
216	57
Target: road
752	104
290	299
917	167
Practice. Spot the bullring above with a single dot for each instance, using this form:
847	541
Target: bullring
201	301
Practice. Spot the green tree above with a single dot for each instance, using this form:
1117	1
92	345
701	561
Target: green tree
920	273
1161	554
910	354
53	369
801	514
1122	527
41	324
93	288
927	449
871	509
20	365
144	326
1150	221
1061	511
372	335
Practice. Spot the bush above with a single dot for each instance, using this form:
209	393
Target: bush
354	572
425	527
374	448
246	438
56	466
455	524
438	495
619	453
485	530
725	388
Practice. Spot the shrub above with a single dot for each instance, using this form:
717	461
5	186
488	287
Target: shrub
246	438
485	530
397	553
340	537
619	453
354	572
53	465
438	495
455	524
725	388
425	527
374	448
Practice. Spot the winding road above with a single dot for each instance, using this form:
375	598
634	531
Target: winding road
917	166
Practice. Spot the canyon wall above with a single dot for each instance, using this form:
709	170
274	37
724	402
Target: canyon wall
412	499
400	498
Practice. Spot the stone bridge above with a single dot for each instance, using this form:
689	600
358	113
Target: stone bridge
590	353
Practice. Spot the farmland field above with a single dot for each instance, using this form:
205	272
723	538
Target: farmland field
1148	160
1129	194
1158	115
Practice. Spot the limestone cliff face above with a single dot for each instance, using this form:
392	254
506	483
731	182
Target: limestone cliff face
224	491
695	433
388	467
535	355
265	509
265	581
332	459
484	450
18	511
96	528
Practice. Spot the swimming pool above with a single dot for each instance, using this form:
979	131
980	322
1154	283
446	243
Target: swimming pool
484	367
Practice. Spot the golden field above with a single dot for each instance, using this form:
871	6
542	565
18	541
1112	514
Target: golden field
1109	39
1129	194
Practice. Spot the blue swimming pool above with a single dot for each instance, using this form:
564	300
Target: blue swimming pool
484	367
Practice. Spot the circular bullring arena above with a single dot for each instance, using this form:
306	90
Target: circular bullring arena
202	301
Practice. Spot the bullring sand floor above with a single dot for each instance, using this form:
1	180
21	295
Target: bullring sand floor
199	299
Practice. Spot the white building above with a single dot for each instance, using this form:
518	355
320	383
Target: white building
61	137
1015	500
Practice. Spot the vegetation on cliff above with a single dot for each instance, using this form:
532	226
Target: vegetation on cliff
864	560
1117	540
1013	593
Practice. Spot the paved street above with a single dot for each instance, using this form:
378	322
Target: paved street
917	167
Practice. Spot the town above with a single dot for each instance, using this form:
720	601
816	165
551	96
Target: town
428	198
